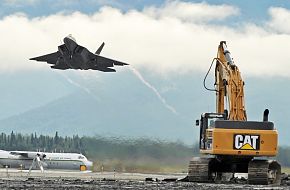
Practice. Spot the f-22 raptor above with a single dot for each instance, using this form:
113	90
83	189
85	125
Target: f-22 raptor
70	55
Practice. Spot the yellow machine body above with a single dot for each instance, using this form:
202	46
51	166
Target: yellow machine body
242	142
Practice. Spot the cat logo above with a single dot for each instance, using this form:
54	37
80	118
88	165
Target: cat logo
246	142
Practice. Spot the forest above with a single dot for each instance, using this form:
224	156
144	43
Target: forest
117	153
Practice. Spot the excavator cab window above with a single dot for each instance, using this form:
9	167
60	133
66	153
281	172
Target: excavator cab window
211	122
207	121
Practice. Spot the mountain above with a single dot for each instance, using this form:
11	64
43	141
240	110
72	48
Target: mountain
26	90
120	104
117	107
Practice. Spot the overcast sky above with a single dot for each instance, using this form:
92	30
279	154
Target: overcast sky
163	36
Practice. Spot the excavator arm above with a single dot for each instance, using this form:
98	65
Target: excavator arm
229	86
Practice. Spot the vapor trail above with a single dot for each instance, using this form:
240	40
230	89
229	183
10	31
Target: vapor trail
141	78
88	91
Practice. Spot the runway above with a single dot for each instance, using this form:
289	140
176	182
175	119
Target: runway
52	179
84	175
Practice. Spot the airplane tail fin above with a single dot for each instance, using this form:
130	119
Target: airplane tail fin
100	49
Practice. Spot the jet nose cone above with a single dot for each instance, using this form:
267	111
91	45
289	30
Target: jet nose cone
69	38
70	43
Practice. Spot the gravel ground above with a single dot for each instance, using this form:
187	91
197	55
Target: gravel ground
15	179
72	184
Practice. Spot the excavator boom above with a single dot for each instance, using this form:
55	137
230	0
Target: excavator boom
229	85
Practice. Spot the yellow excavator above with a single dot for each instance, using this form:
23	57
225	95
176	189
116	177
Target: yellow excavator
228	142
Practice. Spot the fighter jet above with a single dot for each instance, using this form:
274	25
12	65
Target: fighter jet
70	55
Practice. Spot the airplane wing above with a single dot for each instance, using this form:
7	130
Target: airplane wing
49	58
24	154
105	69
106	62
28	155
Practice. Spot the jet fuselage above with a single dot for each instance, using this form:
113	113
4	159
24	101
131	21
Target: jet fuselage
70	55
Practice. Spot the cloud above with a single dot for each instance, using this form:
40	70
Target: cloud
162	39
279	20
192	12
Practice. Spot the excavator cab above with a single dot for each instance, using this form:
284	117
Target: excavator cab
207	121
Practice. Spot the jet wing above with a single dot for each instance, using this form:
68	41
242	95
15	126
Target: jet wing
49	58
105	69
106	62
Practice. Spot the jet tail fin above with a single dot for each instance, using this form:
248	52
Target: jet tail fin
100	49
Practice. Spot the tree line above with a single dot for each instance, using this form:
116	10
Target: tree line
102	148
45	143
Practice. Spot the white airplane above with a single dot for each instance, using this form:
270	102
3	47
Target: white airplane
27	160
